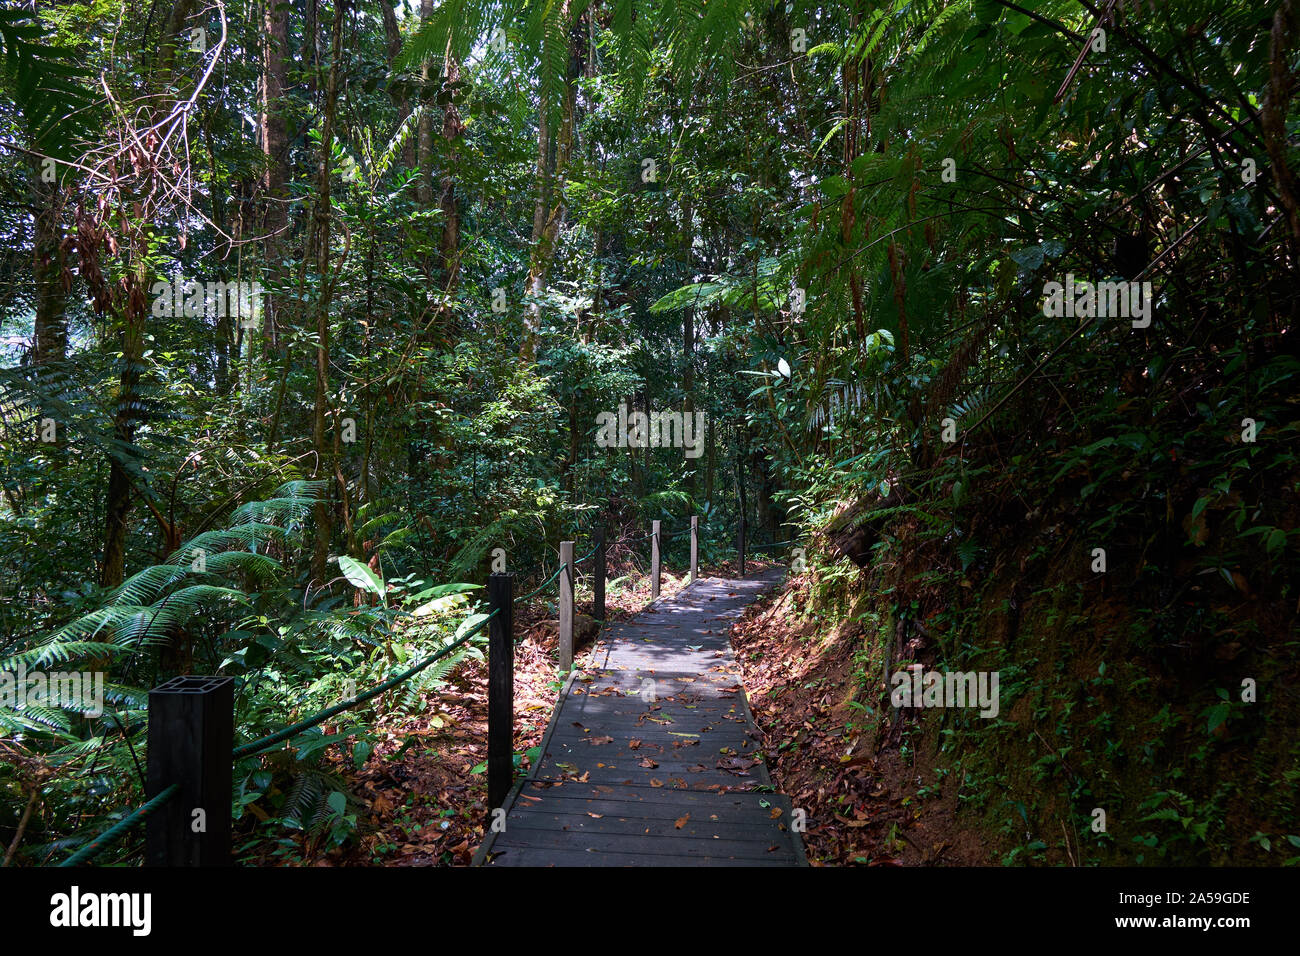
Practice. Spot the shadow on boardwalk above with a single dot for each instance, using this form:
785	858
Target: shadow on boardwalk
649	759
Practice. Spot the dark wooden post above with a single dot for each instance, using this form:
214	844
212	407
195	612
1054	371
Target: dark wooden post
501	688
566	605
599	583
741	544
191	739
695	547
654	560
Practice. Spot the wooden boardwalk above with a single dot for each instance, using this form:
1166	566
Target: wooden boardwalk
649	759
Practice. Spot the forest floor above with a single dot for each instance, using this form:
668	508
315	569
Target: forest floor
423	792
422	801
865	806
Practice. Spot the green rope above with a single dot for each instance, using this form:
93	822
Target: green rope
265	743
543	586
92	849
587	555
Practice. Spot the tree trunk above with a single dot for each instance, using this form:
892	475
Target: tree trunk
688	337
117	500
275	146
536	281
323	513
51	338
424	191
310	56
548	212
449	242
127	301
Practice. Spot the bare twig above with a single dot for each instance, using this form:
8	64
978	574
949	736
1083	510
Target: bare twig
22	825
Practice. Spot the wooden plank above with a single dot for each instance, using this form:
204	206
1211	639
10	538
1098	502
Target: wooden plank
719	808
776	848
535	790
527	856
755	830
670	779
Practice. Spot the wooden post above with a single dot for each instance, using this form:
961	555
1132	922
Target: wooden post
566	605
501	688
742	545
599	584
654	560
191	737
695	547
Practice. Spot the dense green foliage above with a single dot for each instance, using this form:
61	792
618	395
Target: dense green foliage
478	226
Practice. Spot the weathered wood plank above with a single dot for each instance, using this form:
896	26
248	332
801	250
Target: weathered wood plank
772	847
733	800
716	808
549	856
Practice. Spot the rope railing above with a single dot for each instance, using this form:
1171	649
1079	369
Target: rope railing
263	744
540	588
88	851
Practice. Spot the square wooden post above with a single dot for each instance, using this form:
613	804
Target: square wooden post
566	605
695	547
741	544
599	584
501	688
654	560
191	740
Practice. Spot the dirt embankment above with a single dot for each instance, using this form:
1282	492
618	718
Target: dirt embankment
870	800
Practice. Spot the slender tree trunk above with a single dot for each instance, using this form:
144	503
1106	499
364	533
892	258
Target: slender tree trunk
449	242
51	338
117	502
548	211
310	57
393	40
591	332
1273	116
688	335
275	147
323	513
536	280
128	303
424	191
850	80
